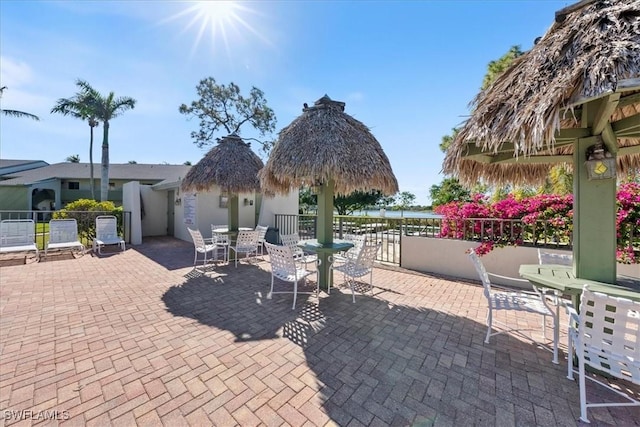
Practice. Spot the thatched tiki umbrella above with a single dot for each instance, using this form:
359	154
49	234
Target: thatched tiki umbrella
230	165
575	98
333	152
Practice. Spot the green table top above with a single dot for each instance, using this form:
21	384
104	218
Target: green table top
561	278
313	245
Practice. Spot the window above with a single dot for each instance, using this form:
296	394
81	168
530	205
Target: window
112	186
224	201
73	185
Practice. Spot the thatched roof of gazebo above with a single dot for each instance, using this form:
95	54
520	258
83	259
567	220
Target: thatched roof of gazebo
326	143
230	164
529	118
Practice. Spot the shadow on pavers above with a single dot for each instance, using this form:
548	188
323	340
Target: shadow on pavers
374	359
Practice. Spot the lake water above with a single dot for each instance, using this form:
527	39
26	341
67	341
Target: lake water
397	214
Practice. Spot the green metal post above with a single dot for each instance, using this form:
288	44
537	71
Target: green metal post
324	230
594	221
233	212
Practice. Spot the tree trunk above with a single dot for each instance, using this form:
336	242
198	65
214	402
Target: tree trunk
91	180
104	179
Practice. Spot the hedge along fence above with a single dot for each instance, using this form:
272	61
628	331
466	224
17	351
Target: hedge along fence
85	211
541	220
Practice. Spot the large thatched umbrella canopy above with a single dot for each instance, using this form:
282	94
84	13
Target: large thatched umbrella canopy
576	90
331	151
325	143
230	165
530	117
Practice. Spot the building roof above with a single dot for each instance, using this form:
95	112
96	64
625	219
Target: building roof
11	166
132	172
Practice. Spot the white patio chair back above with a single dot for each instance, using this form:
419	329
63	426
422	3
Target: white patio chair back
107	233
246	243
354	267
63	234
546	257
201	247
18	235
262	237
291	241
530	302
358	241
221	240
607	338
285	268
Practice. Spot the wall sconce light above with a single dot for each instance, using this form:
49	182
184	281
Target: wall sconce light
178	201
600	163
250	202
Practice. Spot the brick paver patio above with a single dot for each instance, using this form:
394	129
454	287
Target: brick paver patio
138	338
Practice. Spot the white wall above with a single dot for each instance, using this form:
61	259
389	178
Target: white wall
209	212
448	257
287	205
154	222
131	203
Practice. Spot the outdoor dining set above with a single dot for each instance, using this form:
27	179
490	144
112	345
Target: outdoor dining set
292	259
603	331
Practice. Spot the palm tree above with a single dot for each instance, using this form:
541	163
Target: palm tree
16	113
80	106
105	109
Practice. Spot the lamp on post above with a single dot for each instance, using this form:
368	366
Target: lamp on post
600	163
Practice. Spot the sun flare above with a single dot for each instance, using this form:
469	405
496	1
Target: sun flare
220	20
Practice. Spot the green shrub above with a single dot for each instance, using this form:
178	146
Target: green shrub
85	211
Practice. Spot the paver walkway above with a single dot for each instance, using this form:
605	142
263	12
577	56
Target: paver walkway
138	338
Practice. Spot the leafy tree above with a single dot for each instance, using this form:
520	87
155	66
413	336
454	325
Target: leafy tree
105	109
74	158
358	200
497	67
133	162
306	198
559	181
81	106
404	199
447	140
187	163
16	113
449	190
222	107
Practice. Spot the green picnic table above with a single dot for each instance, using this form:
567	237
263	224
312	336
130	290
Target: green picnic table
562	279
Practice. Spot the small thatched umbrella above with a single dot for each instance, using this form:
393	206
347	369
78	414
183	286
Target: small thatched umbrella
230	165
576	90
327	149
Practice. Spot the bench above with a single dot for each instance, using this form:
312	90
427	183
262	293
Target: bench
606	337
18	235
63	234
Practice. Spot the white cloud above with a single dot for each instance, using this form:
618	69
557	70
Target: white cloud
14	73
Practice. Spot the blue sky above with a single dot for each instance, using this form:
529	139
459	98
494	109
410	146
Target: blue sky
406	69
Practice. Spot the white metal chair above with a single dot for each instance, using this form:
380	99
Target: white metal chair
547	257
291	241
605	336
358	266
63	234
262	238
201	246
284	267
246	243
530	302
107	233
221	240
358	241
18	235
